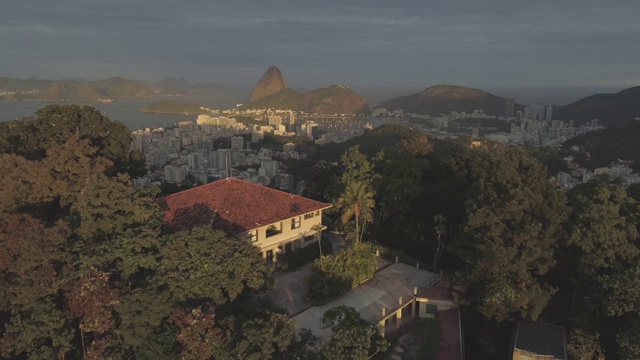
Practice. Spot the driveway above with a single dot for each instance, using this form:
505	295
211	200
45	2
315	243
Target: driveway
289	290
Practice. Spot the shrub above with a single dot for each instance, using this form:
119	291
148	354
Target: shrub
334	275
307	254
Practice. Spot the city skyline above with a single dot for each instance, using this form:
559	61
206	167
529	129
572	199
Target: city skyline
374	43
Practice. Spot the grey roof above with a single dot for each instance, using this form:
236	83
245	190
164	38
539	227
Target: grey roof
541	339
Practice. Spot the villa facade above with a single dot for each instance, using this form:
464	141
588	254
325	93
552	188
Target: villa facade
274	221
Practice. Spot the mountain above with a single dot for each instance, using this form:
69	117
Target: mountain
73	90
170	91
607	145
9	84
443	99
181	83
335	99
121	87
610	109
286	99
172	107
270	83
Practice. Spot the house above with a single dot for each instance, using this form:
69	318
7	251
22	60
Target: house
273	220
534	340
437	302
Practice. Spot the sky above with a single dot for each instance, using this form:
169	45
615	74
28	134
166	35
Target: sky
368	43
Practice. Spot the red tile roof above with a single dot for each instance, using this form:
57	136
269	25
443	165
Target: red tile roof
439	291
450	335
233	205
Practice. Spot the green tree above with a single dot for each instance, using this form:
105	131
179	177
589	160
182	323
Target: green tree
628	339
584	346
512	223
265	339
400	205
621	291
334	275
206	264
357	203
357	167
601	231
54	124
353	338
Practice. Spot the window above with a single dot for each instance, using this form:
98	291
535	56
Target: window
295	222
253	236
318	213
274	229
308	216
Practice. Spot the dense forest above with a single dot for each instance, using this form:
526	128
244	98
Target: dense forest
513	245
89	270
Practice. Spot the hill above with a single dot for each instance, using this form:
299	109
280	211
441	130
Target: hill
607	145
73	90
269	84
335	99
286	99
172	107
442	99
170	91
370	143
121	87
610	109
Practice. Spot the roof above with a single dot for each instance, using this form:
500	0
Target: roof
541	339
233	205
450	335
439	291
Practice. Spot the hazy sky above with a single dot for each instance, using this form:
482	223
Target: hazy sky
485	43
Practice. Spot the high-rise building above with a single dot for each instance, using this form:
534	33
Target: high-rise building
509	106
275	121
549	113
174	174
237	143
269	168
292	119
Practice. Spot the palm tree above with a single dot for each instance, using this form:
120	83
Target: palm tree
357	202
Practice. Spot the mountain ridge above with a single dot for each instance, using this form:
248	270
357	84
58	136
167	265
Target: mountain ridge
611	109
443	99
334	99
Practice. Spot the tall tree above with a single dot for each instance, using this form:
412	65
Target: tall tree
601	232
399	190
511	224
357	203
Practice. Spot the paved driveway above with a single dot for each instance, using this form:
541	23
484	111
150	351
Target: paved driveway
289	290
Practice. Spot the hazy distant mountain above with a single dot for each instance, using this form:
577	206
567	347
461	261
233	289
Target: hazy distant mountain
9	84
180	83
442	99
172	107
269	84
73	90
170	91
121	87
611	109
335	99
